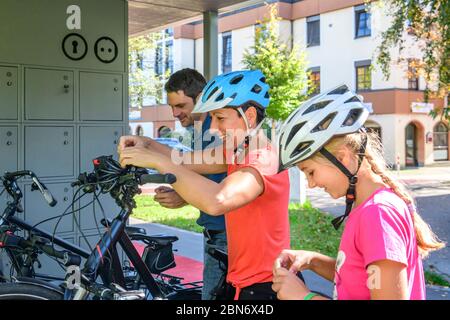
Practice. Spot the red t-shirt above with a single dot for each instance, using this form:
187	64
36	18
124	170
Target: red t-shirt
258	231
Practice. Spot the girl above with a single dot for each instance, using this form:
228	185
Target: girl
384	239
253	197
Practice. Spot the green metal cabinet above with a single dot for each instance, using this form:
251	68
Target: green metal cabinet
49	94
101	96
37	209
49	151
8	93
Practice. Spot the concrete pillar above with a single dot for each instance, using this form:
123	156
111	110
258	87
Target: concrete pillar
210	44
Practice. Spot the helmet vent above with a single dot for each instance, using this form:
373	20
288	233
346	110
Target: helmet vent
220	97
256	89
325	123
263	79
294	131
267	95
317	106
209	86
212	92
237	79
352	117
353	99
301	148
340	90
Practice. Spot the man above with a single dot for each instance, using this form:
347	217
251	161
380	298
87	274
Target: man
183	88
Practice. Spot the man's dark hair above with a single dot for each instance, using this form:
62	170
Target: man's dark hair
190	81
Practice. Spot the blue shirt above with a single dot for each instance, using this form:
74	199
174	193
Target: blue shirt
205	220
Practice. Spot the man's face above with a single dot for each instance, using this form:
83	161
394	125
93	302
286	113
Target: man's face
182	107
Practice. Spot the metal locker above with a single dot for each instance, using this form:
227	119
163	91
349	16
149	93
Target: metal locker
49	94
101	96
49	266
37	209
8	149
97	141
8	93
49	151
91	216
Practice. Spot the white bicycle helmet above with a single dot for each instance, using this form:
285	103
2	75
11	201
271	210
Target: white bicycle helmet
309	128
336	112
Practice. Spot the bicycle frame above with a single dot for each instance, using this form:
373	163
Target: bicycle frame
108	242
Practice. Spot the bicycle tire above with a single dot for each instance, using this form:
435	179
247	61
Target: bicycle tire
25	291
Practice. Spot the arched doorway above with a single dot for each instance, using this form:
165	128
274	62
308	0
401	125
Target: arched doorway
139	131
411	145
440	142
374	127
164	132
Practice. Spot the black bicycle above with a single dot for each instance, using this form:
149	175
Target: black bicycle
134	280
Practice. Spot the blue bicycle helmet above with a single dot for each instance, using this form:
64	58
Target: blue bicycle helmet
234	89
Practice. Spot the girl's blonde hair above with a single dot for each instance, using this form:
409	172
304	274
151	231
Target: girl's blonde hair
427	241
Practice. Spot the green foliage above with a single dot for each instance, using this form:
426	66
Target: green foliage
427	21
284	68
311	230
143	83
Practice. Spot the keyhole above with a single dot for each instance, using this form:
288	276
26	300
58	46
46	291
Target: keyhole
75	45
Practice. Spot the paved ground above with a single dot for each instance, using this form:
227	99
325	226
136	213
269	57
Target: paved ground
430	187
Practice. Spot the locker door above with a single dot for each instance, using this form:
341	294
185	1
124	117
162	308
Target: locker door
49	94
8	93
8	149
101	96
37	209
97	141
49	151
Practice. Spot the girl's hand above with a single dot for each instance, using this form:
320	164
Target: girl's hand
133	141
295	260
140	156
288	286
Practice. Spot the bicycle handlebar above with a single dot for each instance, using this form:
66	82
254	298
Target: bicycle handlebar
13	176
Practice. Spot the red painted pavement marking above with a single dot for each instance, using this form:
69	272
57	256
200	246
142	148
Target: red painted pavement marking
189	269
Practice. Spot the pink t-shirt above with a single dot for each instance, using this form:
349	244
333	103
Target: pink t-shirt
378	229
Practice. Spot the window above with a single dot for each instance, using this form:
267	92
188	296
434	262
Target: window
363	75
313	31
226	52
169	56
362	22
164	53
314	78
413	77
159	59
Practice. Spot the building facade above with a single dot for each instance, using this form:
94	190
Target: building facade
340	39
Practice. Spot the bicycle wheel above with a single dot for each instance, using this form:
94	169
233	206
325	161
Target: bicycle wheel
25	291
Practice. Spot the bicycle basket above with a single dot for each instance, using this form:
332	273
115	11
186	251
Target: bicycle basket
159	258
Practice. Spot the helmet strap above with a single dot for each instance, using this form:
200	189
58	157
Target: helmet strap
352	178
250	133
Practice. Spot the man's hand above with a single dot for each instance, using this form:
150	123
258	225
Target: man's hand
169	198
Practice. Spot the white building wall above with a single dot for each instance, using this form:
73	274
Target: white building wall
339	49
183	54
199	55
241	40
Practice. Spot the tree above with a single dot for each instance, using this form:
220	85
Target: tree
283	66
428	22
143	81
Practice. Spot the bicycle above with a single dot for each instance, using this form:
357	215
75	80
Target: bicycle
103	261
